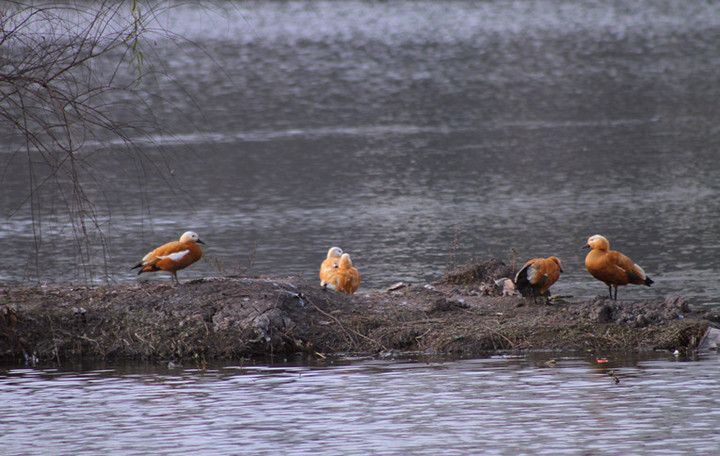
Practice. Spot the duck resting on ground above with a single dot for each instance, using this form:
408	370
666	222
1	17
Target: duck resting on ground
538	275
330	262
344	277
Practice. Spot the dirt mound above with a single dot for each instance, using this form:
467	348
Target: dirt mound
638	314
479	272
241	317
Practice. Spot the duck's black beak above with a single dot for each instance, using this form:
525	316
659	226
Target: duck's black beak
199	241
586	246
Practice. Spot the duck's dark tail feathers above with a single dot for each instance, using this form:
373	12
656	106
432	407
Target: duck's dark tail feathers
521	278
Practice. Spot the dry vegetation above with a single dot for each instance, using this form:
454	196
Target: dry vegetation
241	317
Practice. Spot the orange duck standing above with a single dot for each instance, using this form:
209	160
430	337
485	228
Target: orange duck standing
330	262
538	275
612	267
173	256
344	277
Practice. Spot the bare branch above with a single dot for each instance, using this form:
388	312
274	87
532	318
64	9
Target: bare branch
61	69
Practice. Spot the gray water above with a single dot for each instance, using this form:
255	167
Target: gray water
415	135
494	406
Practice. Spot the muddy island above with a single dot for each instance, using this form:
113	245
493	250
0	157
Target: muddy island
462	314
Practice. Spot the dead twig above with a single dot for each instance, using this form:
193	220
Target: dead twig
345	330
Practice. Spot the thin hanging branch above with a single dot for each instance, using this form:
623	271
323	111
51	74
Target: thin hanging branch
60	65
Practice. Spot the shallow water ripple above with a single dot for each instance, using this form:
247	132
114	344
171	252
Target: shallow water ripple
492	406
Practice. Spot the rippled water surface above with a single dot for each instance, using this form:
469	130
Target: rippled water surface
499	405
404	131
412	134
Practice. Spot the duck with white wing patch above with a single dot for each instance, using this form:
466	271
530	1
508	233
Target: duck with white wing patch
173	256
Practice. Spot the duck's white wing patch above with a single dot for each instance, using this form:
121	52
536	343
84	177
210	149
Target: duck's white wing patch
642	271
177	256
531	275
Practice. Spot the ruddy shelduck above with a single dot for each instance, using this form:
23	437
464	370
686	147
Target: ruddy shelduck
344	277
538	275
173	256
330	262
612	267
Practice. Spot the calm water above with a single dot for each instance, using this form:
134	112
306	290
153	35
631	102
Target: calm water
404	131
494	406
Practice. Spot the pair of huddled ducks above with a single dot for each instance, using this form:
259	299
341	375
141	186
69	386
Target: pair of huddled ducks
337	271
